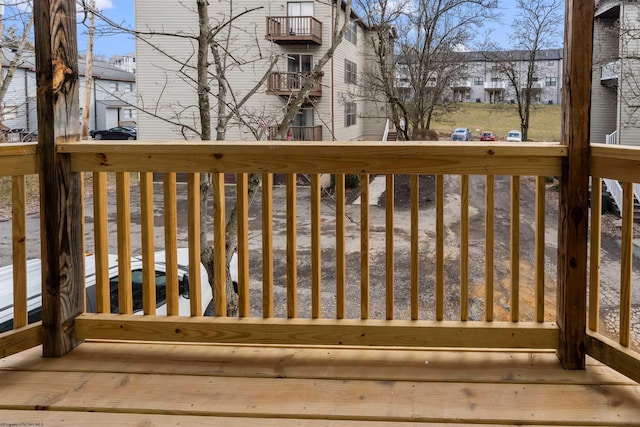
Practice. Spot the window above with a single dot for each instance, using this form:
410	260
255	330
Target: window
350	71
478	81
350	114
352	32
550	81
127	113
113	86
128	87
550	63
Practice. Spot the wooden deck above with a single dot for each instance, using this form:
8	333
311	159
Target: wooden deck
106	383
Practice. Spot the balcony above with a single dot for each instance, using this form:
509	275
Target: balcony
499	86
297	359
300	133
536	86
461	84
610	74
329	331
289	84
291	30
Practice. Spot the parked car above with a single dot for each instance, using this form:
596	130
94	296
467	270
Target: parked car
34	280
461	134
514	136
119	132
488	136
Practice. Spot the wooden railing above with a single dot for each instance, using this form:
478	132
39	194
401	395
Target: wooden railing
339	299
299	133
295	307
294	29
614	326
18	161
290	83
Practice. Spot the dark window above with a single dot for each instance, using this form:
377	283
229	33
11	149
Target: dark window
350	114
350	71
352	32
136	290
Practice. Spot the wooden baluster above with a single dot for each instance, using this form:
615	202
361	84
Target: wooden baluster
515	248
540	242
19	250
242	197
389	205
464	247
316	251
364	246
267	245
193	235
219	249
415	246
594	257
292	259
489	216
123	215
171	243
340	247
101	241
439	247
626	264
148	244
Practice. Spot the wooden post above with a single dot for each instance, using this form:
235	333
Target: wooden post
574	191
60	189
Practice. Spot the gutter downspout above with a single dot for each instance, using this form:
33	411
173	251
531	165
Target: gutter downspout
333	116
26	98
95	105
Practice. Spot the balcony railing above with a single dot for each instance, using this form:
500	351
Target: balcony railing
416	310
300	133
287	84
294	30
461	84
495	85
610	72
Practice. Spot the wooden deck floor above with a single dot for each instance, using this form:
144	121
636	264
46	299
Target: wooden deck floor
104	383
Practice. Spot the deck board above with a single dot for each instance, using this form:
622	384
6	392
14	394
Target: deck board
160	384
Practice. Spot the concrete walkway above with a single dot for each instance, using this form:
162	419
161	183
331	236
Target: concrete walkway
376	188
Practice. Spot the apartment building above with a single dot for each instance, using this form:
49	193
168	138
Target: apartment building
125	62
480	76
297	34
615	115
113	97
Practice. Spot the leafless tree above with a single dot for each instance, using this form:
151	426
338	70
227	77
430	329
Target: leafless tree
429	35
218	104
537	26
16	22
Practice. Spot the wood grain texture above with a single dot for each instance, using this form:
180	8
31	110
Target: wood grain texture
335	157
267	245
341	266
219	246
292	249
123	220
310	386
403	333
415	246
614	355
439	247
540	246
194	213
464	247
242	205
489	219
18	340
170	204
101	242
626	263
514	247
594	253
316	250
389	246
148	244
60	188
574	183
19	159
364	246
19	250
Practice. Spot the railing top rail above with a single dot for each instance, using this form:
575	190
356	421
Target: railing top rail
18	148
534	159
615	151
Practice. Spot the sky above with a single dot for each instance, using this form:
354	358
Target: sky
122	11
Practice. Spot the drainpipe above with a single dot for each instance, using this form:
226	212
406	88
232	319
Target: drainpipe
95	104
333	116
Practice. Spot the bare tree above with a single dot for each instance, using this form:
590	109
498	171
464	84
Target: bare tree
537	26
17	37
430	33
207	71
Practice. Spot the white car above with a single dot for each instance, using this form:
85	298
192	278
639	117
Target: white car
34	279
514	136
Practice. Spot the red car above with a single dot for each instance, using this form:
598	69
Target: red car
488	136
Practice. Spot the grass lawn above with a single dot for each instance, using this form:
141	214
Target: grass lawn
500	118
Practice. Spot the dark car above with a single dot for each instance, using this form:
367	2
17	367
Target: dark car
115	133
461	134
488	136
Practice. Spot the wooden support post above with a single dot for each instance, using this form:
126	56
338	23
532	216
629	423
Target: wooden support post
574	191
60	189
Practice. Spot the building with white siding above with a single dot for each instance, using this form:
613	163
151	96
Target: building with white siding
298	33
113	97
615	105
482	79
